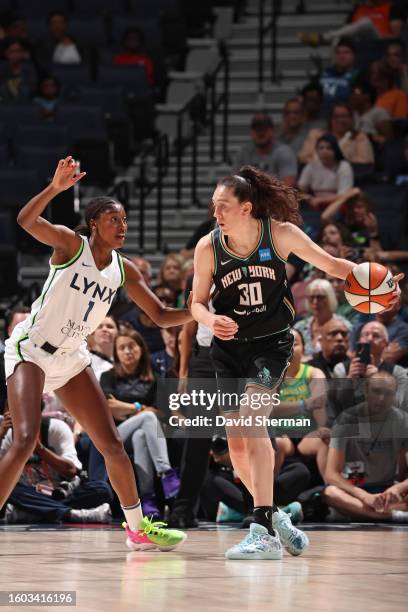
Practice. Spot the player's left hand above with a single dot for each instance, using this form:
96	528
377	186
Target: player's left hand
396	294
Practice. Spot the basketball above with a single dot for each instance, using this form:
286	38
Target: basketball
369	287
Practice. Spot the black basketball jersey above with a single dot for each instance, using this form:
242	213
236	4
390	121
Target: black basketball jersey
252	290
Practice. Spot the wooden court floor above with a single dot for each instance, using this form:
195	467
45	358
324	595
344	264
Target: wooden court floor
343	570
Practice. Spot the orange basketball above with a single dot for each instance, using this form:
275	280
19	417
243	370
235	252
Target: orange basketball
369	287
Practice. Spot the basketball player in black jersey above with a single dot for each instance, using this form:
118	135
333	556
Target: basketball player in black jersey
245	258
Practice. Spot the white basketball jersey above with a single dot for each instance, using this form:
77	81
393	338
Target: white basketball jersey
75	299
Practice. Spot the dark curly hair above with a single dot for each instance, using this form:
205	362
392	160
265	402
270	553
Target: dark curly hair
268	195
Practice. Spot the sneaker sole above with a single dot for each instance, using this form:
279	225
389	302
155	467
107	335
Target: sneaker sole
173	546
133	546
270	556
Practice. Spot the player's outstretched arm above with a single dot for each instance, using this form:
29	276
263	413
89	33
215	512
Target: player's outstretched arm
141	295
57	236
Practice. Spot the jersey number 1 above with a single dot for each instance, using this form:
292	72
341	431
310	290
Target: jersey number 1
90	306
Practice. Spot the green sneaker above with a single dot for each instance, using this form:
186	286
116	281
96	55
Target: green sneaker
294	509
164	539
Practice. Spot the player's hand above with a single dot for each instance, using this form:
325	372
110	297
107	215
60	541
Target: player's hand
5	424
396	294
66	174
223	327
375	502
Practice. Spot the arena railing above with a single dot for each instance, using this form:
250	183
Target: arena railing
266	27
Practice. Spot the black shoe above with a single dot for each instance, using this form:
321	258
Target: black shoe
182	520
247	521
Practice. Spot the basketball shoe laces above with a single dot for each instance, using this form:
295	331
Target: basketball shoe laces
155	528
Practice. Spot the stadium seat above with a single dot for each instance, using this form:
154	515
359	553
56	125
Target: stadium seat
29	8
42	159
42	135
130	78
89	32
363	173
98	7
154	8
4	155
70	76
82	121
14	115
389	203
18	186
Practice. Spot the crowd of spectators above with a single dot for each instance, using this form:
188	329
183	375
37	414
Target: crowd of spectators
342	143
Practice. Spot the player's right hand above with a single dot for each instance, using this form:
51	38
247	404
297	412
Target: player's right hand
223	327
66	174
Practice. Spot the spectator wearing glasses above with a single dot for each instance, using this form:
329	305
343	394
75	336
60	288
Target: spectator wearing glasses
375	335
355	146
322	306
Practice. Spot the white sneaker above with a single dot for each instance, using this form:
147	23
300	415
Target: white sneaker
258	544
399	516
294	540
100	514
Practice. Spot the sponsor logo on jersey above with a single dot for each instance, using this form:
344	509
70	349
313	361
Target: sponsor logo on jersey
265	255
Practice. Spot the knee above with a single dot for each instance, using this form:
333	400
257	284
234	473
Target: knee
331	493
236	446
25	440
111	447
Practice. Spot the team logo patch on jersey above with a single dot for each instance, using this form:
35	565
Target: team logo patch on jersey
265	255
264	376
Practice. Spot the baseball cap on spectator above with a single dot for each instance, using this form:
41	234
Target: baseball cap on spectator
261	121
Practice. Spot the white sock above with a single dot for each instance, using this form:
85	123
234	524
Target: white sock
133	515
399	516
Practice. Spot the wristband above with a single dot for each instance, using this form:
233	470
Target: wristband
138	406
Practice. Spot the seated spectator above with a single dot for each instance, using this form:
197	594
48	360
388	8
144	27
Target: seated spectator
292	131
171	276
395	58
401	172
322	305
361	471
389	97
142	323
101	346
303	396
374	334
130	389
13	317
267	154
15	28
370	19
355	146
18	76
165	363
312	96
48	96
337	80
334	343
134	54
336	235
397	349
50	488
58	46
224	497
344	308
368	118
327	176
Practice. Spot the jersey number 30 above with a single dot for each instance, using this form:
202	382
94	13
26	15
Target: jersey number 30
251	294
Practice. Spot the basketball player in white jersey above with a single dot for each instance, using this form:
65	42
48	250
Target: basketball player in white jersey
47	351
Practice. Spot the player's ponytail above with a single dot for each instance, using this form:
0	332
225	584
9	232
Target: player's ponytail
268	195
94	208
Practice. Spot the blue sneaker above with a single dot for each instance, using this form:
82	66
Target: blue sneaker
294	509
225	514
258	544
294	540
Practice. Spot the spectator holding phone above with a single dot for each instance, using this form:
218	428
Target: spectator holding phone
370	357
